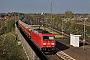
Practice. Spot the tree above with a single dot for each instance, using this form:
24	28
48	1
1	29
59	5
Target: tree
57	20
2	16
68	14
88	16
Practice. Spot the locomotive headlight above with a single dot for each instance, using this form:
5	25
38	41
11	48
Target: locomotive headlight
44	43
52	43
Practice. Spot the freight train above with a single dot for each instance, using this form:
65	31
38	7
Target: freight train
43	39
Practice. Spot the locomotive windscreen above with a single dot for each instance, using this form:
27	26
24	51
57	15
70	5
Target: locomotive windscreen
48	37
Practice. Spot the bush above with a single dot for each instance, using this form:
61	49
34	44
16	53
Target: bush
7	26
9	49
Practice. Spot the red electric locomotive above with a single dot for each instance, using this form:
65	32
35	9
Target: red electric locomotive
42	38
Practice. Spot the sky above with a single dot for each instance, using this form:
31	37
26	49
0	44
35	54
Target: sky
38	6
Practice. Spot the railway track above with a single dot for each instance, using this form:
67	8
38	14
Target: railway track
54	29
53	57
65	56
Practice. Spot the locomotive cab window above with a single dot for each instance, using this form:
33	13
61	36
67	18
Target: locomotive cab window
48	37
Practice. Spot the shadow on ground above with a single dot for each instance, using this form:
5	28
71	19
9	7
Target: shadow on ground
81	44
61	46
